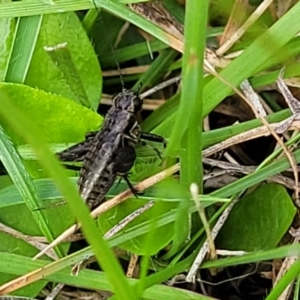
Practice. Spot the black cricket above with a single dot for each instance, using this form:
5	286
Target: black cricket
110	152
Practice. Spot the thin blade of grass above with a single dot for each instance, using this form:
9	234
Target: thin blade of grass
26	34
8	26
20	177
263	255
23	9
291	274
131	52
90	279
188	130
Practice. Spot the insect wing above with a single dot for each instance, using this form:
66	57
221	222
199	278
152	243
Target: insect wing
78	151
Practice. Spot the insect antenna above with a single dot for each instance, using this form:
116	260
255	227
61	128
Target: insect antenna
113	50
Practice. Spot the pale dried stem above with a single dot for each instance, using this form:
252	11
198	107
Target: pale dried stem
234	168
33	241
53	294
204	249
132	265
194	189
265	122
237	16
246	136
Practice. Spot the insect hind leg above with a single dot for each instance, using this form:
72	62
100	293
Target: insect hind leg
152	138
133	190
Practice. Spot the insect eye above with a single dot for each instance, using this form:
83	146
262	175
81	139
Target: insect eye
116	100
136	104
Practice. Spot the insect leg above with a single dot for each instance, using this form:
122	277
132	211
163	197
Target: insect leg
153	138
72	167
144	136
133	190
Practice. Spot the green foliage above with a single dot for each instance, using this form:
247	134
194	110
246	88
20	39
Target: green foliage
49	97
269	209
60	119
72	72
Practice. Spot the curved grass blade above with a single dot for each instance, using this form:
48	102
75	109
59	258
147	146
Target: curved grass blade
25	186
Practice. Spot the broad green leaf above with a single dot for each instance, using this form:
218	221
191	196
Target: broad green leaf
72	71
60	119
259	220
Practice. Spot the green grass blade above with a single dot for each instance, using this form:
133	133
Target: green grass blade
188	130
29	8
291	274
90	279
26	34
90	19
263	255
15	168
8	26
